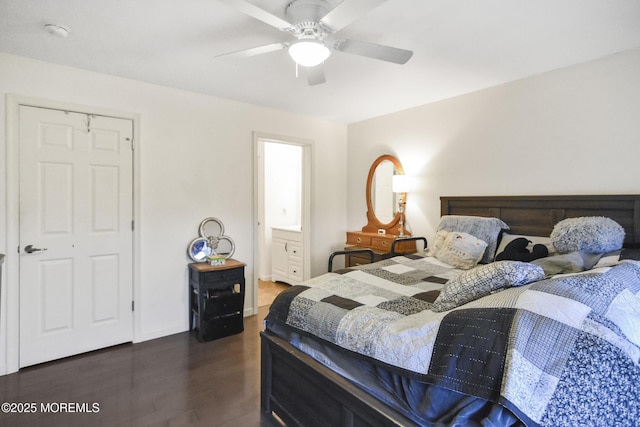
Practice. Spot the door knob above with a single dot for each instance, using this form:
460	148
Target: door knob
30	249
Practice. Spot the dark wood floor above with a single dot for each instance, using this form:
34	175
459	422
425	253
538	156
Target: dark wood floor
171	381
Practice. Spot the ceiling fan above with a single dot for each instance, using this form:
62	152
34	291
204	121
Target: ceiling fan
312	22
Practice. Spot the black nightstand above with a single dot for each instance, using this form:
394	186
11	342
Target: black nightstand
216	299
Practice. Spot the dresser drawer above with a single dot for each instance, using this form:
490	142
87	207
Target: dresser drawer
358	239
406	247
383	243
356	260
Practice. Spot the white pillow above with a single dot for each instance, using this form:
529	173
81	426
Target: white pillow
438	242
485	229
461	250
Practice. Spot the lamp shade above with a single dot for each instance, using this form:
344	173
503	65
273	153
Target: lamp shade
309	52
400	183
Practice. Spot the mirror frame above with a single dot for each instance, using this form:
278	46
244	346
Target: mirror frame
199	249
373	223
205	222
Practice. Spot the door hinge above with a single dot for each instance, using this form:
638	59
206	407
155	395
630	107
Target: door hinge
133	303
133	225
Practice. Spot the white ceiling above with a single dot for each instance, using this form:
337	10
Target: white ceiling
459	46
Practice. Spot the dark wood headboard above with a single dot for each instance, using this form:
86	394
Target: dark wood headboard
536	215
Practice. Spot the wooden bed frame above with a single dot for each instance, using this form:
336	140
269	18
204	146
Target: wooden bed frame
536	215
303	392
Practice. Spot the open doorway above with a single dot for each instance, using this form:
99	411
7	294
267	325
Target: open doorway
283	215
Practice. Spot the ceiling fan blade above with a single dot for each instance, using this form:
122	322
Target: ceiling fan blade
315	75
347	12
253	51
259	14
376	51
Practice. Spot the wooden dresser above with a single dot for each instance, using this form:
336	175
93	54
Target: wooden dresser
380	244
380	188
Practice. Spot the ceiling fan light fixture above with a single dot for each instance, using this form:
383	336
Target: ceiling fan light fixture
309	52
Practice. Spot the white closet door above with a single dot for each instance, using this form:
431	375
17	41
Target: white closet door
75	233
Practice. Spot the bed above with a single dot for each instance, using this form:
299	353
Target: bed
533	378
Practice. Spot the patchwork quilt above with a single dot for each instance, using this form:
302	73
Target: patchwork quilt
564	351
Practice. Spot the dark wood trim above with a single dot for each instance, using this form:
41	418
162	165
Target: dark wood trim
265	376
537	215
305	393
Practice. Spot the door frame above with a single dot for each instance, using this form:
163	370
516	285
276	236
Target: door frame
259	138
10	296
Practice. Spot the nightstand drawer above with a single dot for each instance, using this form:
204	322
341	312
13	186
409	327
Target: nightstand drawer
223	276
222	327
222	305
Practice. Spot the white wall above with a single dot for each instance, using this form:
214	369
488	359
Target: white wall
570	131
283	194
283	175
196	161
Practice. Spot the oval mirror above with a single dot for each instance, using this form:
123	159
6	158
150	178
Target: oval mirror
382	202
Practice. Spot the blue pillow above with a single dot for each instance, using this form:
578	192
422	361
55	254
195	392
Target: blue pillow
590	234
